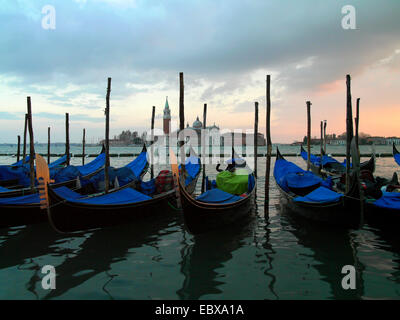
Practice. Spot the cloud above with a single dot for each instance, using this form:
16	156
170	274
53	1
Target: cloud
10	116
72	117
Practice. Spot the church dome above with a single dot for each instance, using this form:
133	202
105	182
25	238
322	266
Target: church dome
197	124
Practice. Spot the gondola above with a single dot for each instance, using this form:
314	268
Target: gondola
396	155
331	166
26	209
68	211
382	201
16	175
307	195
382	198
65	176
215	208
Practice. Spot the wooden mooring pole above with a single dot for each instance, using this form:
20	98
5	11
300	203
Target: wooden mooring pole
357	122
31	145
48	145
153	114
325	136
83	146
308	134
255	137
107	112
181	119
349	130
67	152
19	148
269	145
322	141
203	149
25	130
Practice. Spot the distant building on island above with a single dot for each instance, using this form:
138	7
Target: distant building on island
213	132
364	139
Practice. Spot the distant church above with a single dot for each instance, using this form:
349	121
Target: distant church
197	125
167	118
213	131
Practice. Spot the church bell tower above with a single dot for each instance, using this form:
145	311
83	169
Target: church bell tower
167	118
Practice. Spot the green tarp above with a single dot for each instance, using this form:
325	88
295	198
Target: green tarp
233	182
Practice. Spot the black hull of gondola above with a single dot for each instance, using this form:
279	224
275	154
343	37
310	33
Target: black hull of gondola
17	215
70	217
382	217
200	217
65	216
12	216
345	213
8	183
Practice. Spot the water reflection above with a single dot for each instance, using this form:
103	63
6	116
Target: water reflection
20	246
105	247
204	254
389	241
332	248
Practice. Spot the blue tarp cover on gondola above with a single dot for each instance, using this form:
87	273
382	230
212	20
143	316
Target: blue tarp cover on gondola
130	172
192	167
320	195
20	162
72	172
389	200
20	173
58	162
397	158
302	179
65	174
217	196
124	176
148	187
124	196
92	166
288	175
316	160
138	165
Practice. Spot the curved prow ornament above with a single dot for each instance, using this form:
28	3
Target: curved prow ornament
175	174
43	177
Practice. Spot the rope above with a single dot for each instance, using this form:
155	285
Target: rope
58	203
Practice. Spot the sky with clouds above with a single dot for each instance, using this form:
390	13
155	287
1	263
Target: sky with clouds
225	49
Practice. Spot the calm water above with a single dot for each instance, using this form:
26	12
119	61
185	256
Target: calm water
277	257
